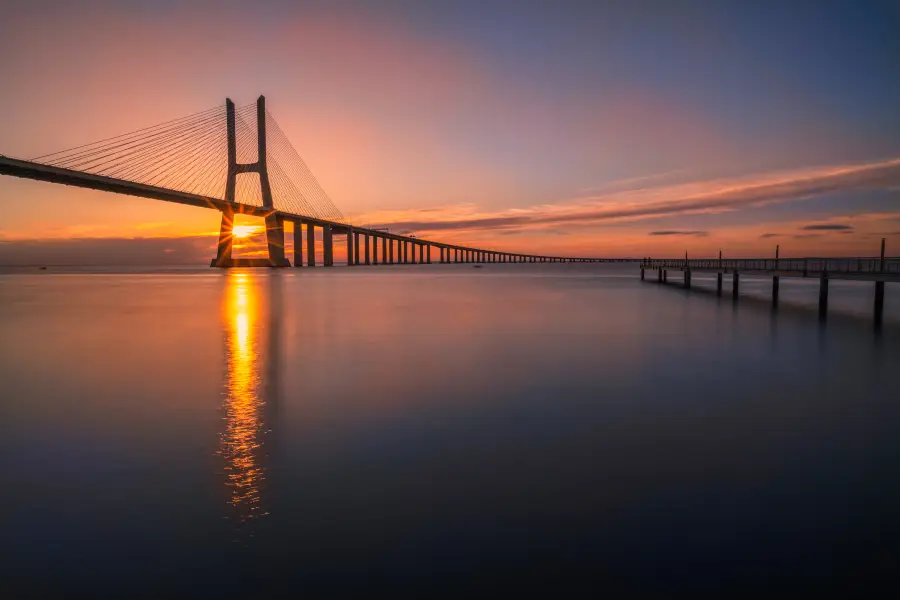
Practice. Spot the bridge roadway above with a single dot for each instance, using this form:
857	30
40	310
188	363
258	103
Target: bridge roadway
876	269
357	254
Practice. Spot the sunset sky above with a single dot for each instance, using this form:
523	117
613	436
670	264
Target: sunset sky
633	128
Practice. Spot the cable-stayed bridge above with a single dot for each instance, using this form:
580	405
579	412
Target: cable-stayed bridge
239	161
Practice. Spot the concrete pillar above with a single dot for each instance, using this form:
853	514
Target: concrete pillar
823	297
428	253
404	253
384	251
327	246
355	247
310	244
775	284
374	249
718	284
879	304
366	242
298	243
642	274
687	279
412	252
421	253
665	276
349	246
735	286
390	246
659	275
275	240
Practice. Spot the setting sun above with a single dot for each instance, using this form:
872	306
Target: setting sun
243	231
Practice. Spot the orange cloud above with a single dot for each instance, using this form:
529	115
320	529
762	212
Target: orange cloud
656	201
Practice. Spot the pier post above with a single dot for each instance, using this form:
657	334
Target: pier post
879	304
642	273
298	244
665	276
327	246
735	286
310	245
823	297
356	248
879	293
687	279
775	279
659	275
366	242
384	244
719	283
428	254
390	248
775	291
421	253
374	249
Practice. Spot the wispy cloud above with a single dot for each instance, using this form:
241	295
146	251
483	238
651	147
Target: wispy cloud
677	232
770	235
828	227
641	203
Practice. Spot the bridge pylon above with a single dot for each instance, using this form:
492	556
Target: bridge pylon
274	222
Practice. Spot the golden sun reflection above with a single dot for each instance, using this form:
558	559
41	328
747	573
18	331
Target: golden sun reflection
242	440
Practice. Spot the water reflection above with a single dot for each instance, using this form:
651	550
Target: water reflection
248	390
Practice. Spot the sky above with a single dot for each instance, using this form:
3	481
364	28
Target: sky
633	128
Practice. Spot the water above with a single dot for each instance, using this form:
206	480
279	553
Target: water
441	429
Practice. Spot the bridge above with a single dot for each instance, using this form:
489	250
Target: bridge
214	159
877	269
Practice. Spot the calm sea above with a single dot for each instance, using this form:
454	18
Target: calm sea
442	429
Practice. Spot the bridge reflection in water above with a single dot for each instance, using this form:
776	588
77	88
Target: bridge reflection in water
250	394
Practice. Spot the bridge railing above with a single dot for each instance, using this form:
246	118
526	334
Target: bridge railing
861	265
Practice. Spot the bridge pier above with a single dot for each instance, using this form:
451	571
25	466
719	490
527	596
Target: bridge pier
355	247
223	249
327	246
349	246
366	242
390	245
374	249
298	243
275	241
384	244
310	244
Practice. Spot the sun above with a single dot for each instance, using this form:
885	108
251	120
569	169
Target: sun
243	231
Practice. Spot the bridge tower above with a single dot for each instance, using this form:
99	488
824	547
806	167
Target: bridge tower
274	222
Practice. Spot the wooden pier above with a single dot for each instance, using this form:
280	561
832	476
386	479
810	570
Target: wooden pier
878	270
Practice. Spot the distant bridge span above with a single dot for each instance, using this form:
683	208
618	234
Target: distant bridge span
195	161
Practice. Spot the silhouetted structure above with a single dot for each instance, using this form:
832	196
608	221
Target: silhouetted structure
197	160
877	269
